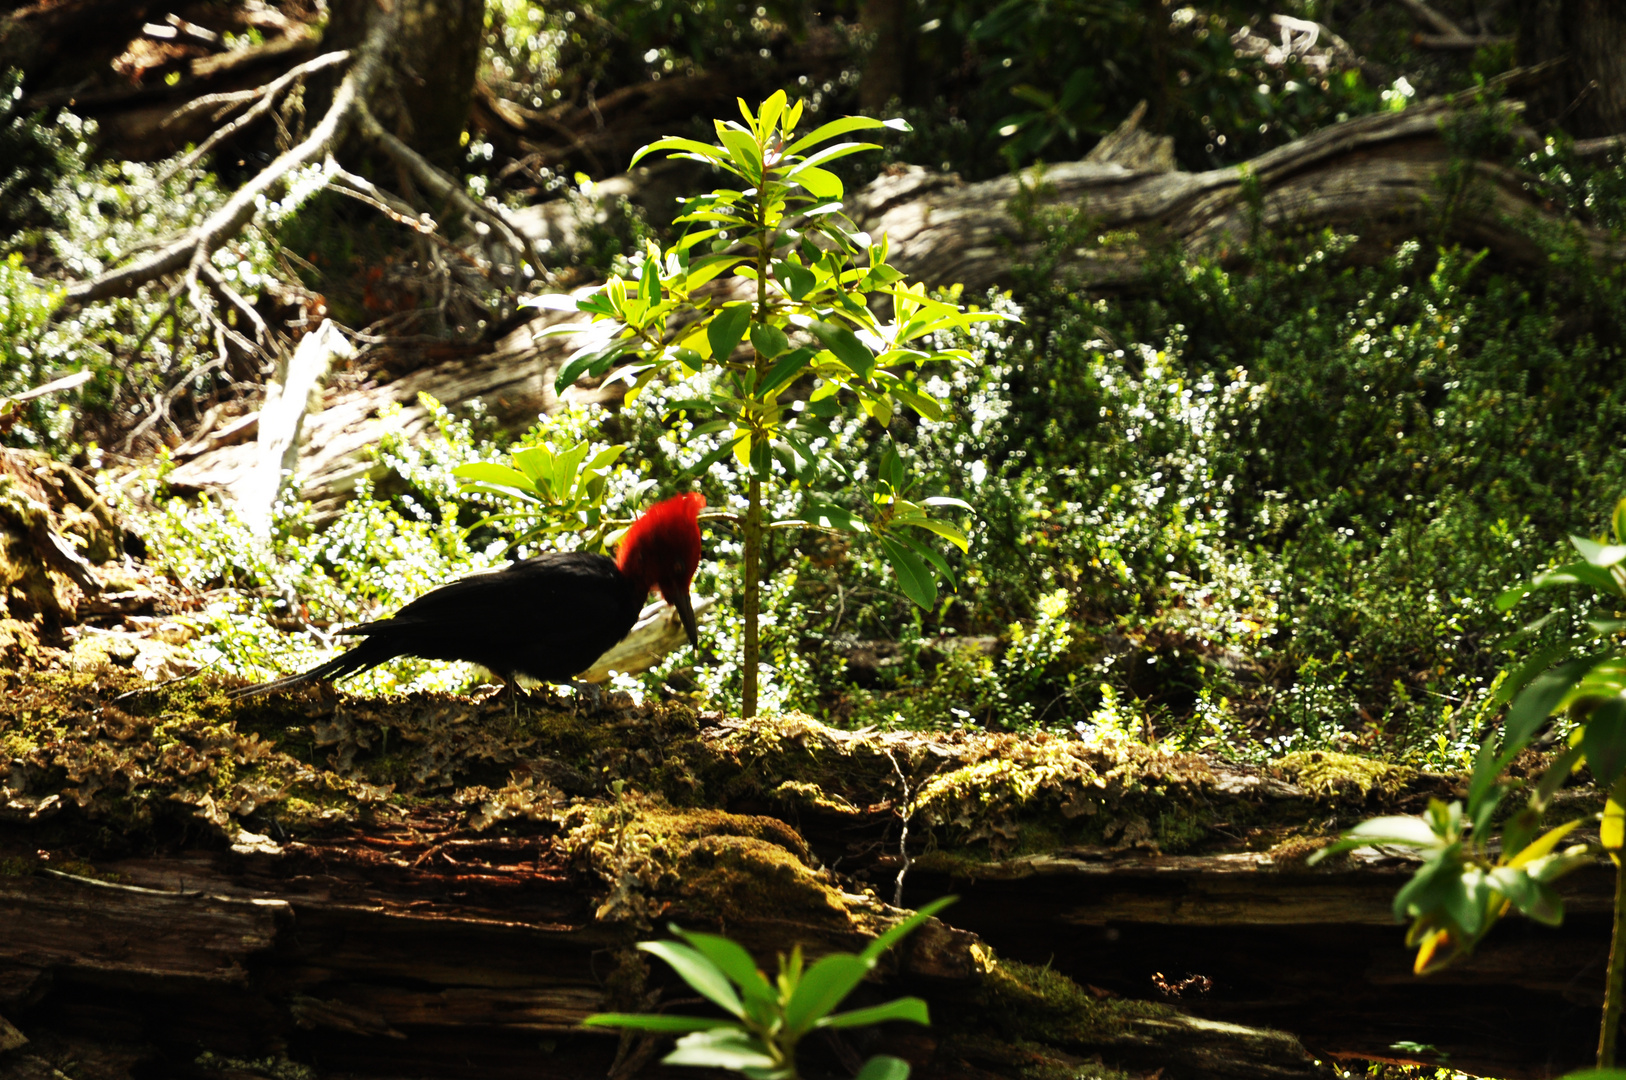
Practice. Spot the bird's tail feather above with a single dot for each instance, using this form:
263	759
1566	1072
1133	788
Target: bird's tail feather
347	663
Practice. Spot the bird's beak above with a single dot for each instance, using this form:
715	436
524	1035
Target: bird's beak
685	609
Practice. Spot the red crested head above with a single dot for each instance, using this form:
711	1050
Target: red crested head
662	550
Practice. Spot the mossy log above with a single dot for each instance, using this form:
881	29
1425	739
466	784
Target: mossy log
321	885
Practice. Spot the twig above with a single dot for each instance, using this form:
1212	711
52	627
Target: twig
903	833
267	95
443	187
241	208
1439	22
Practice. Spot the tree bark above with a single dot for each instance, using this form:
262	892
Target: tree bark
1587	98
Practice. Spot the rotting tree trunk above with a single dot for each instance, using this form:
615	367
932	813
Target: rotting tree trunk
338	883
1384	177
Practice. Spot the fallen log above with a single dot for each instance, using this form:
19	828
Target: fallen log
1386	177
422	886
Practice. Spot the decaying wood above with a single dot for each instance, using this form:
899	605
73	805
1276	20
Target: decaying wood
288	399
1384	177
341	882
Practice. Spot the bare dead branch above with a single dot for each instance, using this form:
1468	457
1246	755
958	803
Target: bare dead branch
240	209
267	96
445	188
1442	25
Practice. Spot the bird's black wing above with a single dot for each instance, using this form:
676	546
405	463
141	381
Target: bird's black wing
547	617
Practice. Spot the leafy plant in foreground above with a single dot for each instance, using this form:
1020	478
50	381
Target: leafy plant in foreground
813	275
767	1019
1463	888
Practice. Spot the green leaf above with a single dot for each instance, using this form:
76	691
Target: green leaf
883	1067
688	146
911	1009
742	150
721	1048
535	462
1403	831
1600	555
1604	741
726	329
846	347
732	959
822	988
584	361
898	931
942	528
1537	701
819	183
486	472
768	339
834	517
605	457
791	365
799	280
655	1022
831	130
707	979
915	578
946	500
565	466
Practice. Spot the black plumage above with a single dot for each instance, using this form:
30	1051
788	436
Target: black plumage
546	618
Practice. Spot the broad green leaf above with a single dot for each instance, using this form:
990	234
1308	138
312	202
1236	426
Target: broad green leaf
923	404
486	472
689	146
789	367
946	500
1604	741
721	1048
799	280
819	183
605	457
911	1009
535	462
942	528
833	517
1537	701
1612	829
656	1022
898	931
565	466
845	345
586	361
1543	846
732	959
915	578
742	150
831	130
726	329
768	339
832	153
822	988
883	1067
705	977
1403	831
1581	573
1600	555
